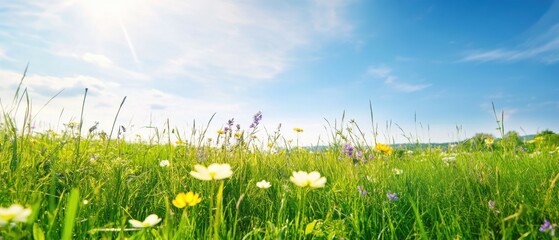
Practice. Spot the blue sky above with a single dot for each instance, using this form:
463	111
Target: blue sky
427	66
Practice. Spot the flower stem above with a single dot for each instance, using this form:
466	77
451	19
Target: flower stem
218	202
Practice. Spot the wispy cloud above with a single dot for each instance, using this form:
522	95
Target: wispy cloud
3	55
542	47
97	59
328	17
47	86
212	40
385	73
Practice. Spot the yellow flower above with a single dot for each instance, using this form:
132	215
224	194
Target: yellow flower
270	144
150	221
220	131
238	135
383	148
263	184
15	213
72	124
489	141
298	130
304	179
538	139
180	142
189	199
215	171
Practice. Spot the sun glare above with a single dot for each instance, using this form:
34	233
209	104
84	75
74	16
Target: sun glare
111	18
102	11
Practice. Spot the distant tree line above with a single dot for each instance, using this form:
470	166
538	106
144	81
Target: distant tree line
546	139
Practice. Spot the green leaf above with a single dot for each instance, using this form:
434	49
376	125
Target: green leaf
310	227
38	233
70	214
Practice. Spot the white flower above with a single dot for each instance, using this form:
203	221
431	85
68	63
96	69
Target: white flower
303	179
449	159
263	184
215	171
150	221
15	213
164	163
397	171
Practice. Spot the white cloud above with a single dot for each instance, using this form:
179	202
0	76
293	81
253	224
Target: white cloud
406	87
3	54
328	17
381	71
47	86
543	47
208	41
385	73
97	59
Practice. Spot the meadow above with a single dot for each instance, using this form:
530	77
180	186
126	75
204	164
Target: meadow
82	183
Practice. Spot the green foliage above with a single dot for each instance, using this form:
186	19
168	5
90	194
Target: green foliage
437	198
90	187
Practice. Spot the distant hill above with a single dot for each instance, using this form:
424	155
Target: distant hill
418	145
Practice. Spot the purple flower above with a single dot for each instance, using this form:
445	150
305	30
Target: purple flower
359	153
546	226
362	191
392	197
256	119
348	150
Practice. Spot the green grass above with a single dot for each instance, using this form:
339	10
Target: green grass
87	187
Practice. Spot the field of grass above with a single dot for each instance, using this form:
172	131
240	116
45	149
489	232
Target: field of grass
89	186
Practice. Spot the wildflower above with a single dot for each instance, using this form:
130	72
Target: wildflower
392	197
449	159
359	154
383	148
215	171
263	184
270	144
220	132
492	206
238	135
489	141
14	213
397	171
186	199
298	130
52	133
362	191
164	163
409	152
312	179
85	202
94	127
256	120
348	150
546	226
180	142
150	221
72	124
